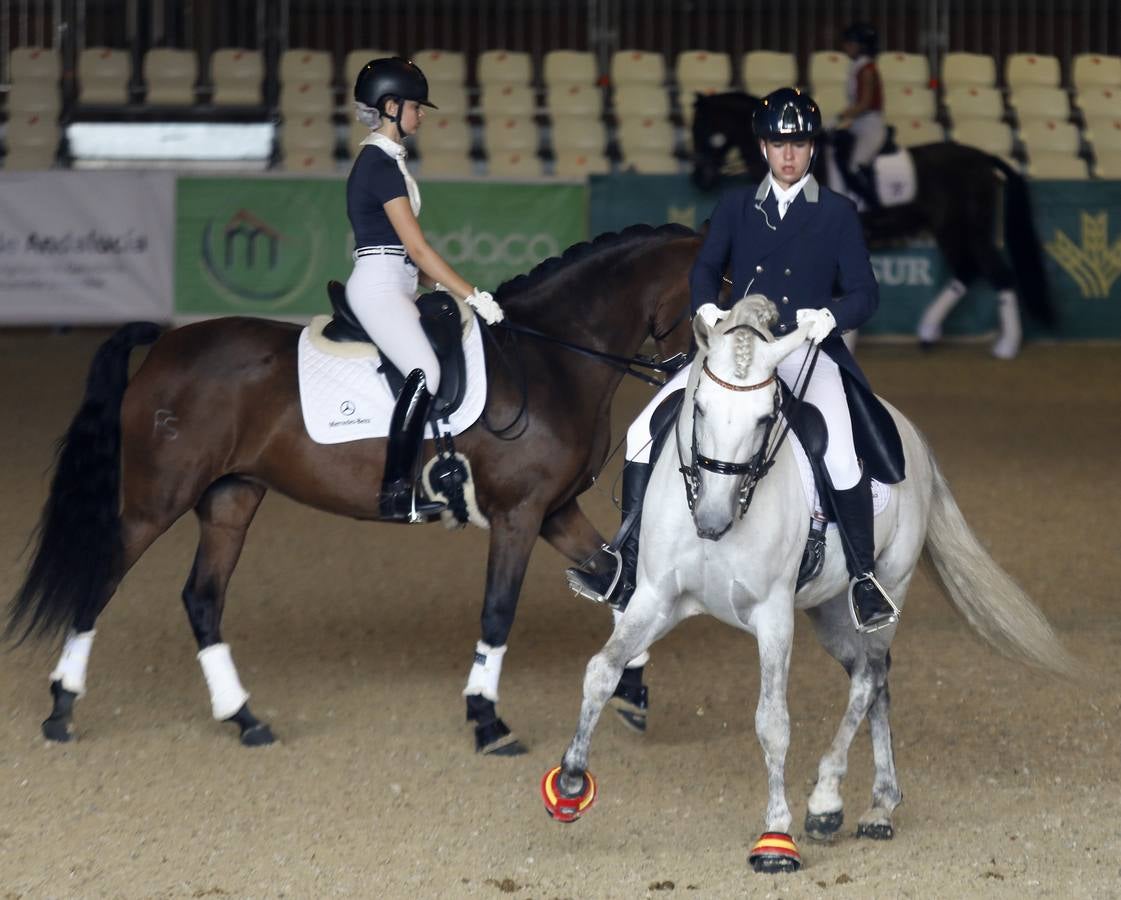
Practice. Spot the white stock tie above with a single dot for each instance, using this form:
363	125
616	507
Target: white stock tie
399	153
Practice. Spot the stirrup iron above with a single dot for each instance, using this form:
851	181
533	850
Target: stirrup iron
891	619
580	589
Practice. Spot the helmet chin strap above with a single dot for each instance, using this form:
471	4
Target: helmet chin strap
396	119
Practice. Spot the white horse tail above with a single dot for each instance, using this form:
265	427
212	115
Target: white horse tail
993	604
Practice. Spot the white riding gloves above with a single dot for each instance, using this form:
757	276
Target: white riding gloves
819	321
483	303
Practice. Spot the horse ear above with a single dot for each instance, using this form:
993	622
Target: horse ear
778	350
706	319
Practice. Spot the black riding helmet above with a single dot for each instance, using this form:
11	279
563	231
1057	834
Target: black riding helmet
787	115
864	36
391	78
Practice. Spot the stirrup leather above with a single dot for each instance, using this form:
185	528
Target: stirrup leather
891	619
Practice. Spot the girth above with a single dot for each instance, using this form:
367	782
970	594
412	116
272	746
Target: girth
439	317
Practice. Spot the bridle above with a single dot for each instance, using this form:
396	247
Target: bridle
752	471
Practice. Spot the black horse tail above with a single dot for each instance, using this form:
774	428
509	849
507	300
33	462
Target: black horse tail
78	540
1024	248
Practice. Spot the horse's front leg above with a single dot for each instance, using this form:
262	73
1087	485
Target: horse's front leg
773	622
512	534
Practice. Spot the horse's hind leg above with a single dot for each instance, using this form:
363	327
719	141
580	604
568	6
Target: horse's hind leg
68	680
571	533
224	511
868	674
886	796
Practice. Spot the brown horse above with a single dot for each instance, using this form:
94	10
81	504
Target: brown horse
212	420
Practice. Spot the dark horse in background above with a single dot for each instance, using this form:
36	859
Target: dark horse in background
957	200
211	421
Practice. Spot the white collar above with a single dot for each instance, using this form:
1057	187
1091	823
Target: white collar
790	194
390	146
398	152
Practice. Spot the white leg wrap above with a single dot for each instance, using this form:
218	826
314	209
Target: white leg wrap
930	325
1011	334
227	695
643	658
71	668
485	672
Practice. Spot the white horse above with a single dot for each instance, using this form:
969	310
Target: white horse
702	552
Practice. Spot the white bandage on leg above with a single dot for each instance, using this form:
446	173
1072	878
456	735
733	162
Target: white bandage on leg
1007	345
71	668
485	672
930	325
643	658
227	695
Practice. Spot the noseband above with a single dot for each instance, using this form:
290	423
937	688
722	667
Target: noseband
751	471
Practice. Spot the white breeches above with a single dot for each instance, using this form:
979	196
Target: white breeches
868	131
826	391
382	292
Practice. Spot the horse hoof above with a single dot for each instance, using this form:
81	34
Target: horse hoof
877	831
634	719
494	738
259	735
58	731
775	851
562	807
825	826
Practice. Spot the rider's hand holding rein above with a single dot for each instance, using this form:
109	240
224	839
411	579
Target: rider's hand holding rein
820	323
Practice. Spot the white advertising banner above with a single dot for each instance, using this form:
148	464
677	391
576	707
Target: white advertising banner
85	248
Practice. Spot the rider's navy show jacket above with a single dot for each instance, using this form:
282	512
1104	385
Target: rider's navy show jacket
795	261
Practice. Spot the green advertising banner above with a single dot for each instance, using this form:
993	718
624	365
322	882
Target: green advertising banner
1072	220
268	246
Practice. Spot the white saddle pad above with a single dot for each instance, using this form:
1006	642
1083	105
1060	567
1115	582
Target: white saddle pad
881	493
345	398
895	178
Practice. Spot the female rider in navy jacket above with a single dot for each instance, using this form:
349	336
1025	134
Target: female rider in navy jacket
792	240
382	202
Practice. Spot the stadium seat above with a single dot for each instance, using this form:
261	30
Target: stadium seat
1049	136
447	163
1104	132
985	134
639	135
356	60
638	67
442	65
831	98
35	96
828	67
652	162
702	71
507	133
170	77
564	67
444	133
577	134
574	100
308	134
1095	70
500	99
450	98
1064	166
301	65
909	101
915	132
306	99
638	100
237	76
356	134
1099	101
32	141
1038	102
765	70
960	69
309	162
1031	68
103	75
514	164
903	68
503	67
974	101
578	164
35	64
1108	164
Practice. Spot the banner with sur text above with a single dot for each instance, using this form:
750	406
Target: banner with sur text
85	248
268	246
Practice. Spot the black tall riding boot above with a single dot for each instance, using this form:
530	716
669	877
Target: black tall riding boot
871	607
399	502
616	587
